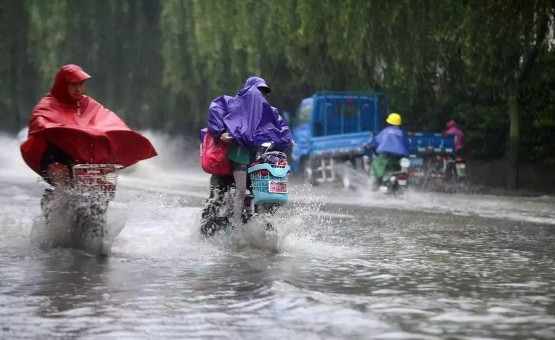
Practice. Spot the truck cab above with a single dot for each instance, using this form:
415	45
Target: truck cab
335	126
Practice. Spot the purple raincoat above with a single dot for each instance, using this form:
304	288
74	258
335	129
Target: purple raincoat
216	111
393	140
249	118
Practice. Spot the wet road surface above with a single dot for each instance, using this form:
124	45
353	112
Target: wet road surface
351	265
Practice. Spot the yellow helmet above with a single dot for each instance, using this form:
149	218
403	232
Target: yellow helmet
394	119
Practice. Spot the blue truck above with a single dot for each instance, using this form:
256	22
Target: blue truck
333	127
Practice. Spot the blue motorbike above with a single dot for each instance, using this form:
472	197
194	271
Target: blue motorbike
267	187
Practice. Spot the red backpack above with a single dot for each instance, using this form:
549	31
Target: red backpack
213	156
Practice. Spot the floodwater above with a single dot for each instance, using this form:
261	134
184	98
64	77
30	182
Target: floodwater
350	265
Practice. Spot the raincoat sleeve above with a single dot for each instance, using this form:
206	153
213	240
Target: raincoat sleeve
218	108
376	140
279	119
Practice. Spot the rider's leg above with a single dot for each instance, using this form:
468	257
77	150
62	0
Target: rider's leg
46	201
392	164
58	174
379	167
219	186
213	186
240	177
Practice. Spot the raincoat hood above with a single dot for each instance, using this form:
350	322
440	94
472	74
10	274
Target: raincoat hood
256	81
451	124
67	74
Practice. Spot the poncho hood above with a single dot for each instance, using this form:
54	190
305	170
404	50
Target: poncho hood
67	74
258	82
451	124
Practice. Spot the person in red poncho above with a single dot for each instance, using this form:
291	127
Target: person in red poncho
453	130
67	128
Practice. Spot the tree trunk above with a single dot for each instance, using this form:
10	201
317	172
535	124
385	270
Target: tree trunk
512	154
512	91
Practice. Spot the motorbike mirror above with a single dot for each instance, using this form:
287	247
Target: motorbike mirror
405	162
266	144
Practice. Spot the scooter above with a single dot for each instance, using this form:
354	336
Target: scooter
450	168
268	190
85	201
397	181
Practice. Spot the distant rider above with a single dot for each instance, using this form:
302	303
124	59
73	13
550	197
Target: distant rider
245	122
453	130
391	144
67	93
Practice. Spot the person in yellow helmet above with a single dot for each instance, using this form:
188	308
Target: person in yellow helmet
391	144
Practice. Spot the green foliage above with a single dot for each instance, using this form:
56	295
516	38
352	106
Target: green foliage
48	38
159	63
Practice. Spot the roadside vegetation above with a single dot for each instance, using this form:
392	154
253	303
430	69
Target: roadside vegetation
488	64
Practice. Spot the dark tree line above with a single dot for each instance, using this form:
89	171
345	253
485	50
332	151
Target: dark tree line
489	64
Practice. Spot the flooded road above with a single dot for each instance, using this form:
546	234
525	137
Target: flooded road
351	265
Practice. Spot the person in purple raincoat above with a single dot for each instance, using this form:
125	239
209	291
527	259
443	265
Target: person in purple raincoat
391	144
246	121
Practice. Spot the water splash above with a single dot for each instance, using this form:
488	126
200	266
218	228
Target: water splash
11	163
69	226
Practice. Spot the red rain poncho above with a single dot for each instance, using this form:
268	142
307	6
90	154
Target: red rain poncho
453	130
84	129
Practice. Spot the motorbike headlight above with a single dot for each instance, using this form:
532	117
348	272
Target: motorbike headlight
404	162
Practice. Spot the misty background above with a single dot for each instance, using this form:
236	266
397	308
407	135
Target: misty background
158	64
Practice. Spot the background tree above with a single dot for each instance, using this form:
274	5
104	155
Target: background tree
488	64
500	51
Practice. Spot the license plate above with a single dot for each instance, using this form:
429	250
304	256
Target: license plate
277	187
402	182
416	161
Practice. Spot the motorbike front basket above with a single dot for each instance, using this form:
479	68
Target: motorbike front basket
269	183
